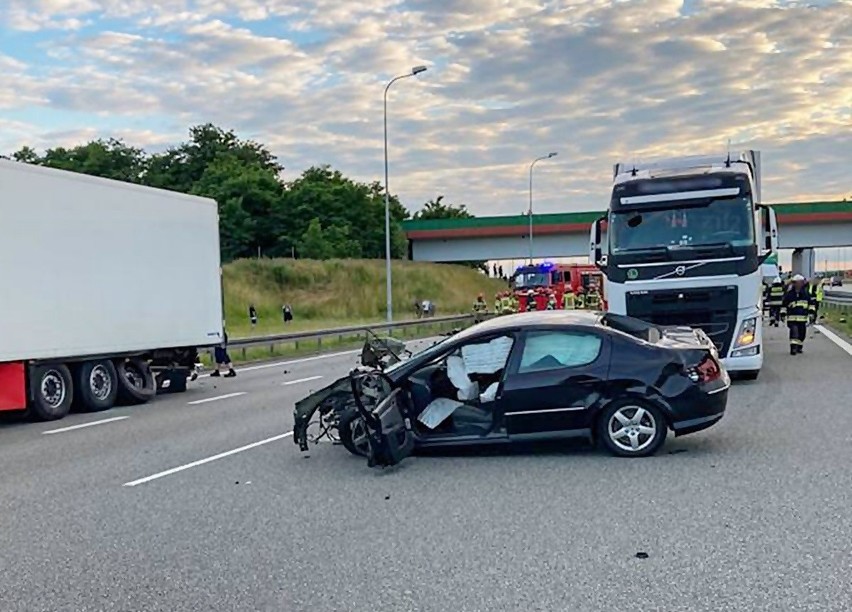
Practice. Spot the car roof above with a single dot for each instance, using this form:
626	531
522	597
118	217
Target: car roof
533	319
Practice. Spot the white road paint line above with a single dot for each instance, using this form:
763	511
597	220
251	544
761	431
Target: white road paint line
188	466
82	425
835	338
301	380
217	398
281	364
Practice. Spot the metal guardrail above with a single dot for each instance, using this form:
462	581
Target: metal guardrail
839	298
341	333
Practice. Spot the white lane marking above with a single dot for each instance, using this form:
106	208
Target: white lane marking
82	425
835	338
216	399
187	466
280	364
301	380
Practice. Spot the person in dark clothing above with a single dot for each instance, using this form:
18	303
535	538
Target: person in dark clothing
252	315
774	298
287	313
798	308
223	359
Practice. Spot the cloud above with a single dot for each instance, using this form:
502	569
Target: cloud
508	80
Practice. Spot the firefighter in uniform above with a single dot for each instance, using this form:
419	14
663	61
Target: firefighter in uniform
498	303
798	307
480	308
593	300
580	301
568	299
551	301
774	298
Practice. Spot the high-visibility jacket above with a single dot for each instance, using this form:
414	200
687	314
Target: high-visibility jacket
818	292
497	304
593	300
568	301
775	294
798	306
551	302
580	302
480	306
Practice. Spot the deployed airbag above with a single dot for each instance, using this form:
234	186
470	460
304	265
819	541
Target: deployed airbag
486	358
437	411
457	374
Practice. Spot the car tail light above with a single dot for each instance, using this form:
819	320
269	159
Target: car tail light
706	371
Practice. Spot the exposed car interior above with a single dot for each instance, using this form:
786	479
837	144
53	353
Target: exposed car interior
455	393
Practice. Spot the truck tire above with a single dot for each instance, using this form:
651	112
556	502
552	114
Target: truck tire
135	382
51	391
95	385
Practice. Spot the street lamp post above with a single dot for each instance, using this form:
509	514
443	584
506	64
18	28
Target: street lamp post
530	212
389	286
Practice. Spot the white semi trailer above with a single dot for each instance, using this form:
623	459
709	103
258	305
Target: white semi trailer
686	240
107	289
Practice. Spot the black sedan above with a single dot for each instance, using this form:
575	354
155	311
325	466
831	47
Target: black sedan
533	376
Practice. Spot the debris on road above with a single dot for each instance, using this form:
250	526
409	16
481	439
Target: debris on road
641	555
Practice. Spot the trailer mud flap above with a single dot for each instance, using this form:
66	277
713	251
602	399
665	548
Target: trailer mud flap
13	386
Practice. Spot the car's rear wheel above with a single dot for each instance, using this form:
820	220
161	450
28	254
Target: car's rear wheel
353	434
631	428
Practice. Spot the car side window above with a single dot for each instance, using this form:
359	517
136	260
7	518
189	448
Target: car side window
550	350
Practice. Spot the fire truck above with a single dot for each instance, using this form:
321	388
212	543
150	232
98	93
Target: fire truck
549	278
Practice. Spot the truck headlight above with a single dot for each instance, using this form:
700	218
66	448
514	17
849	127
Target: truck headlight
747	334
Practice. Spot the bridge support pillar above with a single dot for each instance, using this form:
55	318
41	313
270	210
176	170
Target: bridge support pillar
804	262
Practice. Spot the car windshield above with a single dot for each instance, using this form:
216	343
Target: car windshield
532	279
425	353
719	222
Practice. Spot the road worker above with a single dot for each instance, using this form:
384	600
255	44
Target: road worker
798	307
817	289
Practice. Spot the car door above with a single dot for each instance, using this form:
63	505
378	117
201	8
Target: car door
554	381
389	430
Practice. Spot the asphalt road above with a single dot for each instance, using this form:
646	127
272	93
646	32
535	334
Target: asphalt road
753	514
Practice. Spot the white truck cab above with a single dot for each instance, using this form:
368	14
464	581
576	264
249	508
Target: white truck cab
685	242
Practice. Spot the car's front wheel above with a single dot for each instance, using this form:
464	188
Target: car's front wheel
353	434
631	428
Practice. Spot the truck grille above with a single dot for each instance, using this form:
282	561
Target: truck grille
712	309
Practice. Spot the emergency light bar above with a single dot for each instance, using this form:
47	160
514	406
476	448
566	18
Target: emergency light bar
683	195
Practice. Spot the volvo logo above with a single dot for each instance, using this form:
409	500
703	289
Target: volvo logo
680	270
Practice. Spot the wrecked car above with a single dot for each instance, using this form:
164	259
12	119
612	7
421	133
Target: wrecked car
611	379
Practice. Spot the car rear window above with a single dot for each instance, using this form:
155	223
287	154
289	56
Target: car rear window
633	327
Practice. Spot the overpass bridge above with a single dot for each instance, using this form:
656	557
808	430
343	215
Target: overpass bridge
802	227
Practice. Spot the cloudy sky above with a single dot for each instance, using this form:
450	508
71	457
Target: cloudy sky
508	80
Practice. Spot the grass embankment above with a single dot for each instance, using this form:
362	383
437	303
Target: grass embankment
336	293
838	318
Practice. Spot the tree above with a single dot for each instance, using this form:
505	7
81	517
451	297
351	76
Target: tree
339	202
313	244
436	209
106	158
181	167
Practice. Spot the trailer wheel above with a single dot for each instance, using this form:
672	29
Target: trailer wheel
96	386
51	390
135	382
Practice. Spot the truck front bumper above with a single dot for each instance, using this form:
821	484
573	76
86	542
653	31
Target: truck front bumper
742	364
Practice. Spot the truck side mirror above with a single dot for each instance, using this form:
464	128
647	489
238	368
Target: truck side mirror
595	251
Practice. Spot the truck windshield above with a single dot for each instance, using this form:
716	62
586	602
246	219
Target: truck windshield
727	222
532	279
